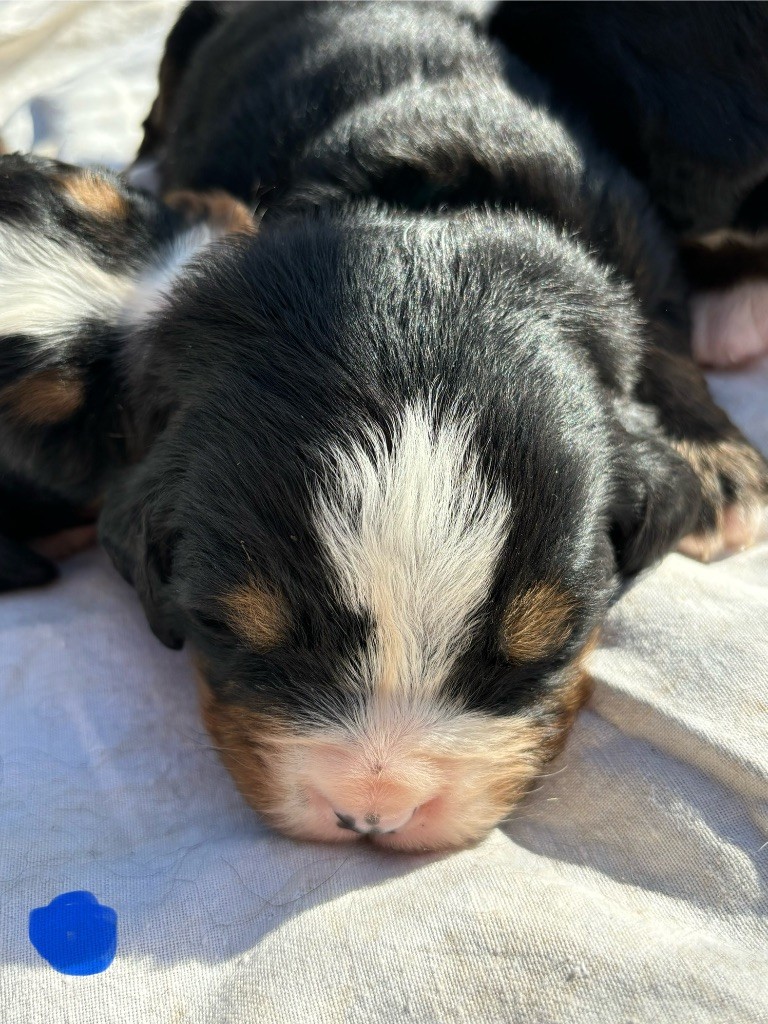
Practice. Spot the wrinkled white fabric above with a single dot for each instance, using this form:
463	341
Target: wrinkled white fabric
630	887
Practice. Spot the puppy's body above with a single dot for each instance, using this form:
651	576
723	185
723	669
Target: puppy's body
676	91
409	106
400	448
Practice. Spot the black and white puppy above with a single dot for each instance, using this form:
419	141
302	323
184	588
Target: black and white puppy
385	463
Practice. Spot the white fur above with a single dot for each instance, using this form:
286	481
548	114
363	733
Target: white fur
414	535
156	282
46	290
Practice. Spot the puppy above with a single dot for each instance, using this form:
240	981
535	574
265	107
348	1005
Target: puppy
392	456
78	252
678	92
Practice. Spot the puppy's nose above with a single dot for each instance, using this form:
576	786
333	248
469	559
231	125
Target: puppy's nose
372	823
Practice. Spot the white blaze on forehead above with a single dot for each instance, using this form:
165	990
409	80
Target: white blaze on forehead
414	534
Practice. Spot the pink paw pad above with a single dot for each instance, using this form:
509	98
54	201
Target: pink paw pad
740	528
730	326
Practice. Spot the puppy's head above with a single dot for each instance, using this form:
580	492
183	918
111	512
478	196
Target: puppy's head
393	500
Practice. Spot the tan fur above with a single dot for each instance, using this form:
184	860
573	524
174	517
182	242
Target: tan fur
566	702
95	195
66	543
258	615
715	240
218	209
44	398
449	784
536	623
246	742
737	525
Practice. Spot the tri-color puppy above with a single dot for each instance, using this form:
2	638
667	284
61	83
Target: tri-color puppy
80	251
385	462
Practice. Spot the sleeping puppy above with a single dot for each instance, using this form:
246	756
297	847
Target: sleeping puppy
387	461
678	92
77	251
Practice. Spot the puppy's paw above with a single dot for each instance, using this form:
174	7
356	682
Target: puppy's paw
730	326
734	484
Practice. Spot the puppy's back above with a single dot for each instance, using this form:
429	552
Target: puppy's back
268	78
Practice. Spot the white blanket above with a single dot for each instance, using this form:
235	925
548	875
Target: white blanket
630	887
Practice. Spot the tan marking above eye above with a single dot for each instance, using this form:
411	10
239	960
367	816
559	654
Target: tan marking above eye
44	398
97	196
258	615
536	622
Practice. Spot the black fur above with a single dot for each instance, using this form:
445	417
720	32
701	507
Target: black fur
430	229
675	90
427	224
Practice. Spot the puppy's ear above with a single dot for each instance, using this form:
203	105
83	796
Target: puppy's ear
657	501
136	532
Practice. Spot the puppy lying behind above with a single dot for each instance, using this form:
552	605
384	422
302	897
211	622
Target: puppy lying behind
385	463
678	92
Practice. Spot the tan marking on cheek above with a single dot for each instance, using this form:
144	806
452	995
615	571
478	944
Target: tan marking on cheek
536	623
95	195
452	782
245	741
566	702
267	761
223	213
258	615
512	755
44	398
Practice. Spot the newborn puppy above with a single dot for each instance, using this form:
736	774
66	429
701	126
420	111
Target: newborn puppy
678	92
391	457
78	250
